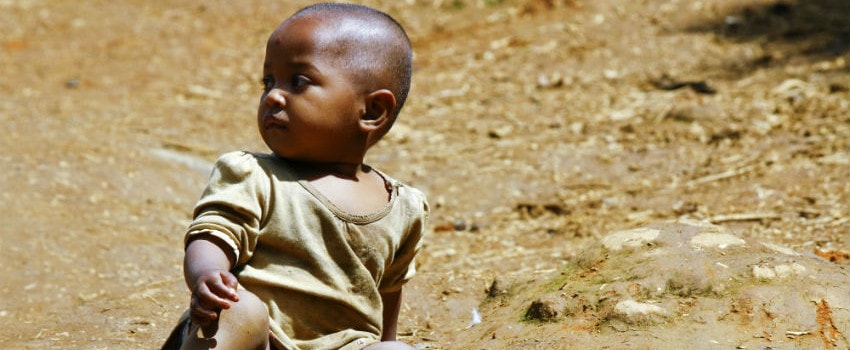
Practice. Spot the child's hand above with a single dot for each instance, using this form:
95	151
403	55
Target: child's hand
213	291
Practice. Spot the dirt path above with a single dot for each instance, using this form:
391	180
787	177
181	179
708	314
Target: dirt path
536	127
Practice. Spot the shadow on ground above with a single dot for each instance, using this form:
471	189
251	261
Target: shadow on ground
789	32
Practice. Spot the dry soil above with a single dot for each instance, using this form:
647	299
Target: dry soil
536	127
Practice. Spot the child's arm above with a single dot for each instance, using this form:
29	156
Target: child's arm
392	305
206	268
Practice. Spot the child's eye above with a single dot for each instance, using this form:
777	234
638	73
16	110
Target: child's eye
299	81
267	82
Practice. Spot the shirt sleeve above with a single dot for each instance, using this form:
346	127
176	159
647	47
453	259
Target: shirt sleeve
403	265
233	205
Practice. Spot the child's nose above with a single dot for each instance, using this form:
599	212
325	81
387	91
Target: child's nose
276	97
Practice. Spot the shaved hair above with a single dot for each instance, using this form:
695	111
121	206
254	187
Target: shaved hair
372	46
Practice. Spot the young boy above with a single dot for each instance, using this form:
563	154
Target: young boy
307	247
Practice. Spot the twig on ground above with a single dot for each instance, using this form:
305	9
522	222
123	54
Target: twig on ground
743	217
720	176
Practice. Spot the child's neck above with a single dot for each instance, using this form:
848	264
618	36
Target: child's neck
353	187
342	170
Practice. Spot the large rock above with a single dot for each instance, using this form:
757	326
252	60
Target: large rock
690	284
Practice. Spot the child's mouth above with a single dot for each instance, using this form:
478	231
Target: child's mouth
275	126
272	122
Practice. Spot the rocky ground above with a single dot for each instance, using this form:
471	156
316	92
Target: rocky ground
603	174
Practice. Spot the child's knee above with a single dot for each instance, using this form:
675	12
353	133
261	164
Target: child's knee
248	312
389	345
245	325
250	303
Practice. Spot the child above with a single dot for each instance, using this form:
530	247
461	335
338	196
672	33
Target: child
307	247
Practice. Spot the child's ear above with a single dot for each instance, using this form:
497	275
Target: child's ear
380	104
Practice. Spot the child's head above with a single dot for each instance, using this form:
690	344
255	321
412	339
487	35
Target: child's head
371	44
335	77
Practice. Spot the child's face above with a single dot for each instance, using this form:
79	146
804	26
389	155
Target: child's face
309	109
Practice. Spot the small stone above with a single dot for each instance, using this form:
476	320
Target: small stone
760	272
553	81
500	132
72	83
715	240
459	225
780	249
496	288
631	308
630	238
546	309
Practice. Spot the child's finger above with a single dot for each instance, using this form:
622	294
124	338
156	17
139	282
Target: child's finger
229	279
209	296
226	286
200	314
224	292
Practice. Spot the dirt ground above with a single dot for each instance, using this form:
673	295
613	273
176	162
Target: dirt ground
536	127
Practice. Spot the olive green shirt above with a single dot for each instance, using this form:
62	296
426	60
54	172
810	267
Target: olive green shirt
319	270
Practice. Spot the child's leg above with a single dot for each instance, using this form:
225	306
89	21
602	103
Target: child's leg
245	325
389	345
